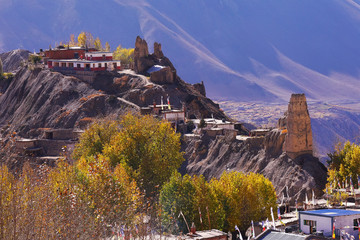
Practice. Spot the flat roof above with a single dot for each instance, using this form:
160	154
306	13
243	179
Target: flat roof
97	52
274	235
331	212
206	234
82	60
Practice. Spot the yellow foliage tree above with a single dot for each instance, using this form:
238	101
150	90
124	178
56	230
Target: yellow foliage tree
98	44
125	55
82	39
344	166
72	42
234	199
147	148
107	47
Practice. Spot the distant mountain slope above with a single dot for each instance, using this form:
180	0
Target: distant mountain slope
245	50
12	60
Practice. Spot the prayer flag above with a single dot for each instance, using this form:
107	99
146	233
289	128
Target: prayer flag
313	198
272	216
253	229
278	213
237	229
168	100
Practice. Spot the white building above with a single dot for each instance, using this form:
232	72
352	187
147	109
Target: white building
214	123
346	221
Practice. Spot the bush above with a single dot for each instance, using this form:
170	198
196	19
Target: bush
35	59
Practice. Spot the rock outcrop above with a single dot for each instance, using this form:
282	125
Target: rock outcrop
298	170
201	88
144	61
162	76
298	140
157	50
141	52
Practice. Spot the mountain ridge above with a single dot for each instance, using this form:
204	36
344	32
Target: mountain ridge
217	41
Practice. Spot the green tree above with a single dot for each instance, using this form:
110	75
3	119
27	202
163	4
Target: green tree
234	199
95	138
35	59
147	148
202	123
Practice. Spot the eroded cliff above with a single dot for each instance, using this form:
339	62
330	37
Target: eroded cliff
286	166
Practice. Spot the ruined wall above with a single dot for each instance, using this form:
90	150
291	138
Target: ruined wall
298	140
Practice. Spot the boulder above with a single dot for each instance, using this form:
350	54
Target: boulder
162	76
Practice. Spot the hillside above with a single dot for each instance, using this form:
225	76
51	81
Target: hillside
40	98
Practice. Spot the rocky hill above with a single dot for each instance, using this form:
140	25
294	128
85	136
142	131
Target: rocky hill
284	155
39	98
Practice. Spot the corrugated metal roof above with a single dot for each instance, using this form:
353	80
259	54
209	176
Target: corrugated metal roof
281	236
331	212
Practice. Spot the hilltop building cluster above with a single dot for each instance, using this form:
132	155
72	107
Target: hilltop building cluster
79	59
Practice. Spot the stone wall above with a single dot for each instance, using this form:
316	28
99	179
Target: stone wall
54	147
298	139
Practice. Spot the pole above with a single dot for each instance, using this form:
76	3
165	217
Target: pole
208	215
187	225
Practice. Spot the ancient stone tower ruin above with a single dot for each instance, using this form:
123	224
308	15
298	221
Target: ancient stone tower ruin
298	139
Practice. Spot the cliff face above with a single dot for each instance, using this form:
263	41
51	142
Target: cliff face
285	165
40	98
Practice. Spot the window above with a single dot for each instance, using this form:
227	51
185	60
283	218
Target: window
356	224
310	223
104	57
78	66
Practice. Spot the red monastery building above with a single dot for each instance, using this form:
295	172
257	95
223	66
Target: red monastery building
80	59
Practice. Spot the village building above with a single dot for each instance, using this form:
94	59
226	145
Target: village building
345	222
259	132
272	234
166	112
79	59
212	234
214	123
